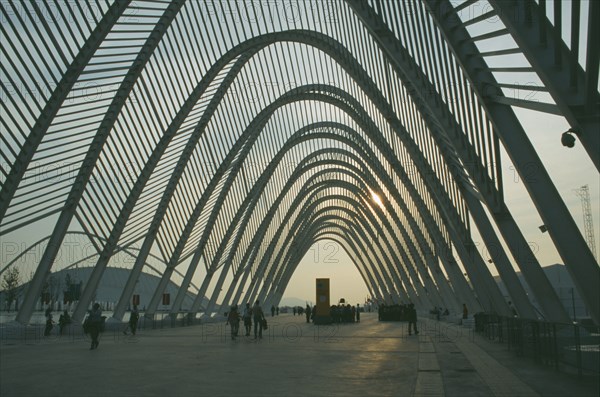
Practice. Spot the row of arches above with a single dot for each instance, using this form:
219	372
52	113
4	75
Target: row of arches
419	156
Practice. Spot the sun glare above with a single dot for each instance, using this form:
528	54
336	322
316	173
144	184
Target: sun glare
377	199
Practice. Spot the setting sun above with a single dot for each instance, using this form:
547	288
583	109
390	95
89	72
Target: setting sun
377	199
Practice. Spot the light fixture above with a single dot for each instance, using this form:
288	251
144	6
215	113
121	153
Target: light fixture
568	139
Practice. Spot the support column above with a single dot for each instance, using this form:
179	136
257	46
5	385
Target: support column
185	284
217	291
503	265
202	291
531	269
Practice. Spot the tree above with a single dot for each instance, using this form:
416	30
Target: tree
10	282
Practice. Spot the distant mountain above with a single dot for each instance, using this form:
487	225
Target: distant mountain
291	301
111	285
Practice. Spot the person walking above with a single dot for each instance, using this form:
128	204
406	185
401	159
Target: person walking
412	319
63	321
49	323
247	317
465	312
259	316
233	319
273	311
358	313
95	324
133	321
307	312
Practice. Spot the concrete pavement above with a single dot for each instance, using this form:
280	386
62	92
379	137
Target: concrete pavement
294	358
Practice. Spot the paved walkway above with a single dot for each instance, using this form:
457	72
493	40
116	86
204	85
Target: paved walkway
293	359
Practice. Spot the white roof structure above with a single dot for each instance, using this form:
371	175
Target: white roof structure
224	138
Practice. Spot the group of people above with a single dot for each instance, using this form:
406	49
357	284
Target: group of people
298	310
255	313
395	312
94	323
344	313
400	312
438	312
63	321
339	313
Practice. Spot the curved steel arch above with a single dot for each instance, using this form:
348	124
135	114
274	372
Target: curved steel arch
439	119
383	275
269	217
480	261
380	283
265	260
542	288
365	217
275	204
294	228
566	236
409	278
149	239
349	239
241	144
321	41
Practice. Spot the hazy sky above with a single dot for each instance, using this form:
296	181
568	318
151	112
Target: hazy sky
327	259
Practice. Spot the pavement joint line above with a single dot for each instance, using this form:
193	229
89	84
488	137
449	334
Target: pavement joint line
500	380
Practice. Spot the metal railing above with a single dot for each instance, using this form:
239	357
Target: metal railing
13	333
566	347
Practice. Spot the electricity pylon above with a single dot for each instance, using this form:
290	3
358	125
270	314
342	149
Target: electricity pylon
584	193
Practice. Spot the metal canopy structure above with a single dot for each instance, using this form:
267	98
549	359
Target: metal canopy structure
226	137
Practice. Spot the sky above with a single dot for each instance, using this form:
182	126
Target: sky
327	259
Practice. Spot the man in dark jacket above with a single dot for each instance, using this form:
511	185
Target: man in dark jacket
95	324
412	319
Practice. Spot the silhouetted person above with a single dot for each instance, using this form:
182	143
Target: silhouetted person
307	311
247	317
63	321
277	310
233	319
465	312
273	311
133	321
259	316
49	323
358	313
95	324
412	319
